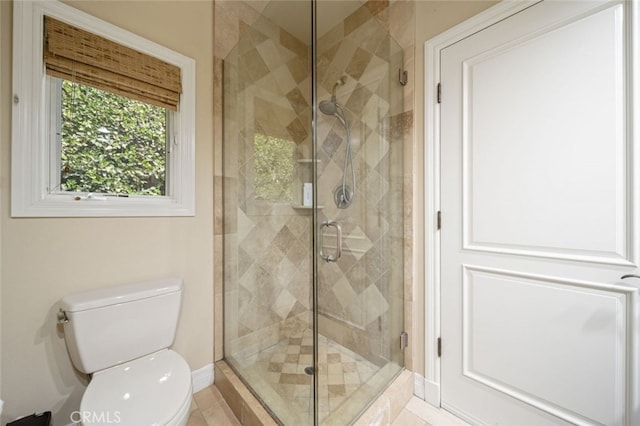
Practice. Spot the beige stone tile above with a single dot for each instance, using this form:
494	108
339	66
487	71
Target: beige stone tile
248	12
358	63
292	43
299	68
336	379
401	19
267	27
433	415
218	344
220	414
196	419
207	398
407	418
194	406
376	6
357	18
401	392
227	32
331	38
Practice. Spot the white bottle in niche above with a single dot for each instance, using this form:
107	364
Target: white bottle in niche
307	194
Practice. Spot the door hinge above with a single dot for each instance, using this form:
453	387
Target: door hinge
439	93
403	77
404	340
438	220
439	347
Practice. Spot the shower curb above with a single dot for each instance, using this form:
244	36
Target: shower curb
385	409
250	412
244	405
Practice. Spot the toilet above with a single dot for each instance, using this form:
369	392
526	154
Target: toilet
121	336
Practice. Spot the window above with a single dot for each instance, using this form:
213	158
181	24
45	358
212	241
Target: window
273	168
103	120
107	143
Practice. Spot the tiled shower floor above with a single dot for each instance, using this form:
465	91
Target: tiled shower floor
278	375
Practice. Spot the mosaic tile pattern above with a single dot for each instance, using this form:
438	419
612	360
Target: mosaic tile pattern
284	383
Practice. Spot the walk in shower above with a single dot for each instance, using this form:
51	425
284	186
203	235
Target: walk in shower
313	205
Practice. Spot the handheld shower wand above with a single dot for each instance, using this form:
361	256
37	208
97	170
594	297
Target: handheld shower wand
343	195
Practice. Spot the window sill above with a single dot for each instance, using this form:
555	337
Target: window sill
63	205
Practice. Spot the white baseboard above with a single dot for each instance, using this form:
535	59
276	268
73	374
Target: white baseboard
418	387
202	377
432	393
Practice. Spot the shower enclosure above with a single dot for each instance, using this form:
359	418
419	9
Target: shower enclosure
313	207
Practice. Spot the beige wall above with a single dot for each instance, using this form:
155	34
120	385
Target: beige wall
44	259
432	18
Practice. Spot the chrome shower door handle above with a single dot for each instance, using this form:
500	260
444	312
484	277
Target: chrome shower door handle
331	257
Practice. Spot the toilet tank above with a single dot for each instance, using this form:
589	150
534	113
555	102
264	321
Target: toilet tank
108	326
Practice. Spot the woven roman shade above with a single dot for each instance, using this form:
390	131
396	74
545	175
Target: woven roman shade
80	56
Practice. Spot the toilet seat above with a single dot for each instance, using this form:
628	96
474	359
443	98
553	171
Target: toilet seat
151	390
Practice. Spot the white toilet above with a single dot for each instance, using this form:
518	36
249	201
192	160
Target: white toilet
121	336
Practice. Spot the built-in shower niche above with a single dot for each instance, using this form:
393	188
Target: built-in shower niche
303	185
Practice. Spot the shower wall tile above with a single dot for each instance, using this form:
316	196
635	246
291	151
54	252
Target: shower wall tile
299	68
298	131
358	63
297	101
289	41
267	91
218	352
218	196
376	6
218	212
401	16
356	19
227	30
369	35
360	50
268	252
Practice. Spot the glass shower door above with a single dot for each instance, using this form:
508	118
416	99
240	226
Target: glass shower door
359	165
313	197
267	154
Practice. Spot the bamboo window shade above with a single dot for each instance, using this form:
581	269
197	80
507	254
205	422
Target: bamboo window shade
83	57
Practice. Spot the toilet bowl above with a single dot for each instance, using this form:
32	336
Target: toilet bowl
121	336
152	390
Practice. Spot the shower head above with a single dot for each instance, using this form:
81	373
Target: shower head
332	107
329	107
343	195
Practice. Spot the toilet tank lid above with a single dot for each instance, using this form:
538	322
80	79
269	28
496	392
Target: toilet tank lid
117	294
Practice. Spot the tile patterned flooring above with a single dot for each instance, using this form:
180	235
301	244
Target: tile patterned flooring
210	409
278	375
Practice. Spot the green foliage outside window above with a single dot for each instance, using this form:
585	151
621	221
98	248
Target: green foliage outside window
273	167
111	144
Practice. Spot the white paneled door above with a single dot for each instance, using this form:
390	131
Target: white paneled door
539	202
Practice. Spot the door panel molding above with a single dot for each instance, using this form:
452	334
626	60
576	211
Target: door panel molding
625	256
608	325
610	205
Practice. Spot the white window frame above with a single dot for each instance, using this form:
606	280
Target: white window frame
31	143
